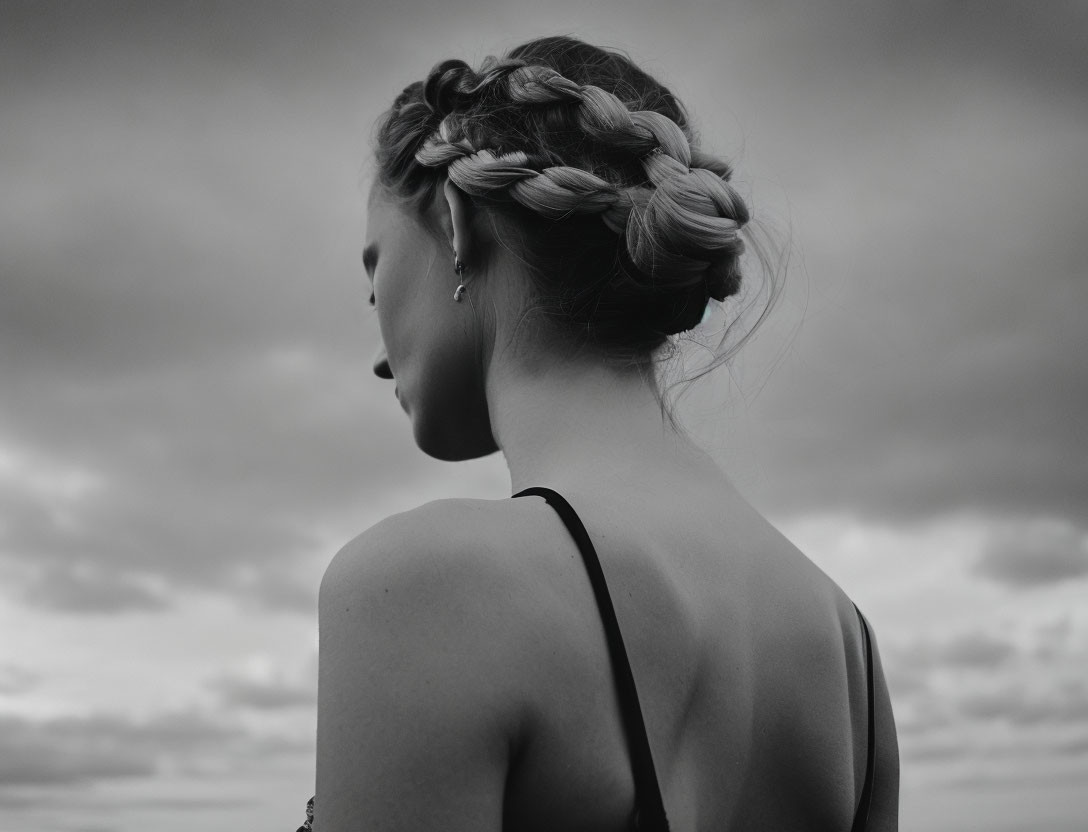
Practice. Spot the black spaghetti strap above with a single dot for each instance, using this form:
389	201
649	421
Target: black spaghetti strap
861	817
649	806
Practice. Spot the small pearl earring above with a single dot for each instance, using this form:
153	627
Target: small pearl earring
459	269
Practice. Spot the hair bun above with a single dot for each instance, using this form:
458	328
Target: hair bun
672	307
685	237
449	86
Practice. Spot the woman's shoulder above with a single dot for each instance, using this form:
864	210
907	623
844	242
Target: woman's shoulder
456	540
467	568
427	670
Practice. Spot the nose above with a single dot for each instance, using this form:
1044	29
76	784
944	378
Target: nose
381	364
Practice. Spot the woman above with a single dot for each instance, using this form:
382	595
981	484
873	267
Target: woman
537	232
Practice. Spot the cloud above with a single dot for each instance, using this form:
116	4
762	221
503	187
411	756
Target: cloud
81	802
225	496
968	650
925	393
918	671
1073	746
1035	555
903	679
264	694
81	588
909	668
1008	41
16	680
976	650
240	477
261	682
953	681
934	367
1066	705
921	719
935	751
71	750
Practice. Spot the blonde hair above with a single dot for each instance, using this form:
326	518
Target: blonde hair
630	229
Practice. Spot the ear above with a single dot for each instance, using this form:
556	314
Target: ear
459	220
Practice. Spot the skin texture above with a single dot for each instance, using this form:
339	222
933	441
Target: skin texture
464	675
429	345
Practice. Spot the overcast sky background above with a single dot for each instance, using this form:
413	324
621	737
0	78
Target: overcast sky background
189	428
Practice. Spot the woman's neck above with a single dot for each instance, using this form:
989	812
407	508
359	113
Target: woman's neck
583	423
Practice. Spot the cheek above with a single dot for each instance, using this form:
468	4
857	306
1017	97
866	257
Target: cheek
414	313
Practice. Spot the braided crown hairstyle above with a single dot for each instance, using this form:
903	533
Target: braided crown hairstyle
628	228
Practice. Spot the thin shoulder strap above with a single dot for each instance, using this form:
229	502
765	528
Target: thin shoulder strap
650	806
861	817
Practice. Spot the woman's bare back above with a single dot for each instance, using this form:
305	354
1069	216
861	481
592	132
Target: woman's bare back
463	657
749	661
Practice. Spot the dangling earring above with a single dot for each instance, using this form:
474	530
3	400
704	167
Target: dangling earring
459	269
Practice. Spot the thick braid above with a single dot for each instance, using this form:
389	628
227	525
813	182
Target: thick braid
554	192
601	115
694	212
686	223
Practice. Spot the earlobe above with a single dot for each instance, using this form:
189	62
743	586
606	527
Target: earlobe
460	226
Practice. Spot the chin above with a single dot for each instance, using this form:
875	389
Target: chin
454	440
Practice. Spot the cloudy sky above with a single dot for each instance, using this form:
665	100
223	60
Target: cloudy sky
189	428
